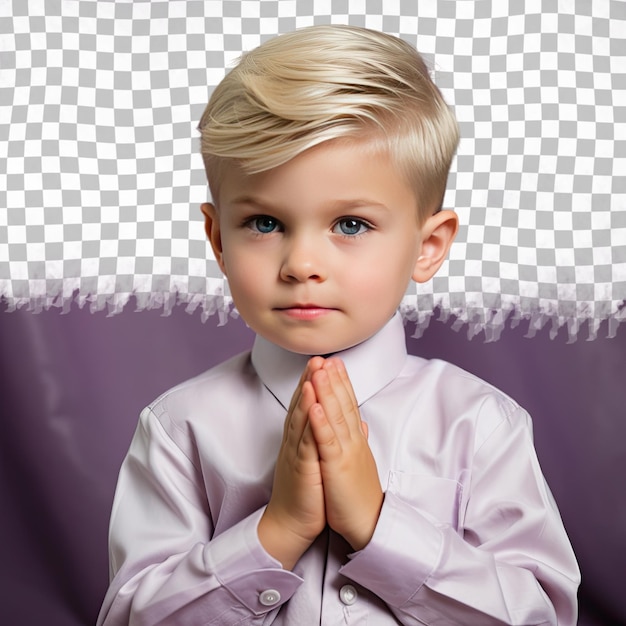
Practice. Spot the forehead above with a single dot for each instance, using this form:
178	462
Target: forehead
331	172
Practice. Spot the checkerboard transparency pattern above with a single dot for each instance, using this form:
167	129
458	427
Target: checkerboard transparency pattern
100	176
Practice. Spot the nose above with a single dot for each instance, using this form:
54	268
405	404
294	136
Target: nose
303	260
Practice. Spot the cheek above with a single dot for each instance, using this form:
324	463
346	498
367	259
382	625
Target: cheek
375	289
390	273
245	275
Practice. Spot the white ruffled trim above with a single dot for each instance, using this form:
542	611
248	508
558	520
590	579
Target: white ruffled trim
468	313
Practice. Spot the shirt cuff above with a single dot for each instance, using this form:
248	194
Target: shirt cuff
405	548
243	566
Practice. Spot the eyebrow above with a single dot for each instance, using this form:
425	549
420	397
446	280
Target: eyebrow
250	200
344	205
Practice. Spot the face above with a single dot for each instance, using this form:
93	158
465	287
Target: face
319	251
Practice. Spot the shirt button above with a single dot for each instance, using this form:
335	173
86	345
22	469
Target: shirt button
348	595
269	597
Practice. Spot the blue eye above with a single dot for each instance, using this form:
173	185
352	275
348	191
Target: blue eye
264	224
351	226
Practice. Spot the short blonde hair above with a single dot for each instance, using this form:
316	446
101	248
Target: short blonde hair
329	82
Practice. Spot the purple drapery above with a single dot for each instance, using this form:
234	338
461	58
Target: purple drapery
71	388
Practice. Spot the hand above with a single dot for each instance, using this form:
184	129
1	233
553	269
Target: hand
295	514
352	493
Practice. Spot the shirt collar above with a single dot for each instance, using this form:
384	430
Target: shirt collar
371	365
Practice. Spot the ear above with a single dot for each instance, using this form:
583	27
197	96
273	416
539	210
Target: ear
438	233
213	233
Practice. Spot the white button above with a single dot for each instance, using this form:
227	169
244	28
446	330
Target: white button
269	597
348	595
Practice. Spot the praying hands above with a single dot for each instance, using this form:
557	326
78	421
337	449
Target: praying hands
325	471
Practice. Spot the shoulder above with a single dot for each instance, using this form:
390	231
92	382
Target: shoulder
452	383
456	395
189	400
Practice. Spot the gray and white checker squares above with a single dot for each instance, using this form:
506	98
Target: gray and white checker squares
100	175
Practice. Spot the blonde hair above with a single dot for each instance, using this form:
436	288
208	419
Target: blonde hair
329	82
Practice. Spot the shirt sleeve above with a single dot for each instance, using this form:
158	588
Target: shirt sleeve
167	565
488	549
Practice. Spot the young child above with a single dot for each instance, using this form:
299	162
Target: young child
327	477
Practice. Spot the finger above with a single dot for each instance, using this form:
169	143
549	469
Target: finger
296	422
345	380
295	399
365	429
341	387
306	375
330	404
307	449
312	365
316	363
327	442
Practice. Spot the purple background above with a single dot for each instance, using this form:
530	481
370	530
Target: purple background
72	386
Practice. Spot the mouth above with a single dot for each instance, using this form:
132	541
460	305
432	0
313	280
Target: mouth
305	311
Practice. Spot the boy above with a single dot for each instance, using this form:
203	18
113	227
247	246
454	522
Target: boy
327	477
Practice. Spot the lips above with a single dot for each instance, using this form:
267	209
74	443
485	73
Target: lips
299	305
306	311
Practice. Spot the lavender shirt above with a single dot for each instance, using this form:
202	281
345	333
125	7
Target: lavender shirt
468	533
